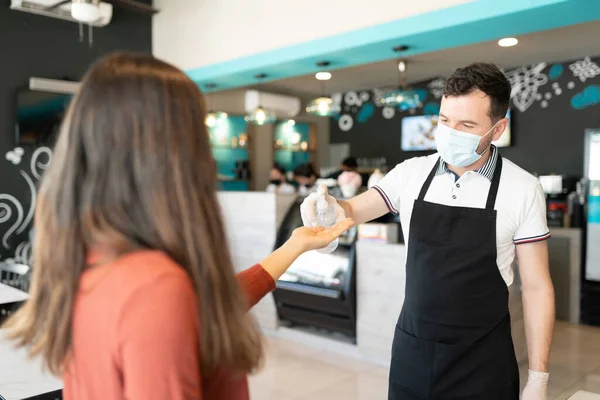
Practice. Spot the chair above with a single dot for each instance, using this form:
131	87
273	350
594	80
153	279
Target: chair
15	275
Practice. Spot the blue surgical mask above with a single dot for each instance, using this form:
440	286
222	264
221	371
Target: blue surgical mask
457	148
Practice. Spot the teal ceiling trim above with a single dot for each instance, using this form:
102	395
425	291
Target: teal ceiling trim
469	23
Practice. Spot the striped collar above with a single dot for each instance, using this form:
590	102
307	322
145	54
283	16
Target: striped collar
487	170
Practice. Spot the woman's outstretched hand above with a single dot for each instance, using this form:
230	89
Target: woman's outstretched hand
302	240
305	238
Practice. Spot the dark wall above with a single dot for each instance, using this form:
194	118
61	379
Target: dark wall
32	45
552	105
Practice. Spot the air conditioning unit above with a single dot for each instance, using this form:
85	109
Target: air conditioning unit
63	12
283	106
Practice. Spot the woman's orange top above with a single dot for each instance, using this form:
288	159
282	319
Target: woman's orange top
135	333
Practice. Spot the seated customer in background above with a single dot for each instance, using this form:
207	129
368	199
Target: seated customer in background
278	181
305	177
348	165
134	294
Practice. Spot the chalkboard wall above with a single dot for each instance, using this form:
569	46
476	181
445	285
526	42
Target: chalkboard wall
552	105
33	45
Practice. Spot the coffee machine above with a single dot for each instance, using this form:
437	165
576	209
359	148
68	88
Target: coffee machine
564	208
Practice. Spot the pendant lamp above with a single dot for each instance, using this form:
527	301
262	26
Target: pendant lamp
403	97
261	116
214	118
323	106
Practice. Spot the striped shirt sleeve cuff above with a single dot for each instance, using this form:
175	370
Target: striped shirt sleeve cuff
532	239
386	199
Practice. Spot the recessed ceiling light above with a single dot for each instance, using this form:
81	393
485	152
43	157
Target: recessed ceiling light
508	42
323	76
399	49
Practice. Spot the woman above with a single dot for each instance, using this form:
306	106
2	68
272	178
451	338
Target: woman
278	181
133	294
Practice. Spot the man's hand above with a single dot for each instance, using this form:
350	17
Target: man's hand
537	386
307	208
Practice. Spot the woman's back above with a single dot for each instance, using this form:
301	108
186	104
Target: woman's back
134	317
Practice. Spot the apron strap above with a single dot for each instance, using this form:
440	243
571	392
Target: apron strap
491	200
425	186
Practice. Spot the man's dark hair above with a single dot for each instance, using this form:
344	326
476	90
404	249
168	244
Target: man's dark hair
279	168
350	162
486	77
305	170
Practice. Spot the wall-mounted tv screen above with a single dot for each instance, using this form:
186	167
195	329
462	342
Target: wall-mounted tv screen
39	115
418	133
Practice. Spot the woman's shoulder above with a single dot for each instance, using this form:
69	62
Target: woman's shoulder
149	265
142	270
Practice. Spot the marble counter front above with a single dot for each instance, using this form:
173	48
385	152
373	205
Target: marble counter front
21	377
251	221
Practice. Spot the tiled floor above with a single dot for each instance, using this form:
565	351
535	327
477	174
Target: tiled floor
296	372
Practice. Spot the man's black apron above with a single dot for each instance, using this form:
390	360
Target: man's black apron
453	337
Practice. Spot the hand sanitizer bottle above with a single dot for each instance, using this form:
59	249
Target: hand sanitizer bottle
326	216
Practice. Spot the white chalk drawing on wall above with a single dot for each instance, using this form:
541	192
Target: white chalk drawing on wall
526	82
585	69
436	87
571	85
352	99
15	155
388	112
346	122
23	254
6	214
12	209
336	99
556	88
378	97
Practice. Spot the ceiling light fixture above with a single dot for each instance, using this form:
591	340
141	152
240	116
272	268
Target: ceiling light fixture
323	76
508	42
260	116
403	97
323	106
400	49
214	118
401	66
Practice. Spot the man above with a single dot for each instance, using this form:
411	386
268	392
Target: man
465	212
305	177
348	165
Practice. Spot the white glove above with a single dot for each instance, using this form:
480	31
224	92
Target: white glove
307	208
537	386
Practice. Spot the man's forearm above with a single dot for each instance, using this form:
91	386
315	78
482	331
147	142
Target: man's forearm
347	208
538	307
365	207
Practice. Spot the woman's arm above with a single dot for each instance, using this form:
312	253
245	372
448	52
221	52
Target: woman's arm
256	282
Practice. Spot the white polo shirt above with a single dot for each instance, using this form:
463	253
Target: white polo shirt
520	204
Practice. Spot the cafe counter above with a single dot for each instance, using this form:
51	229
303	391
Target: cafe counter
252	220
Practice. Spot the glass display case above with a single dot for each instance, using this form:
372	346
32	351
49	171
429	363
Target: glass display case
318	290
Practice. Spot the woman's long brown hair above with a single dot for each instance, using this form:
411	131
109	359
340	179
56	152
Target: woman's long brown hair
132	169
